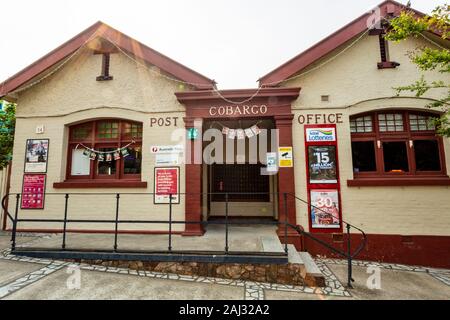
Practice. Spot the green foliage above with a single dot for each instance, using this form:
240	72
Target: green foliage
7	126
407	25
430	59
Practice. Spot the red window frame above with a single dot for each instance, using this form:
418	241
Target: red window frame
92	141
405	136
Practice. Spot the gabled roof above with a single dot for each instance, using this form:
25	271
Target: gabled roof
329	44
124	42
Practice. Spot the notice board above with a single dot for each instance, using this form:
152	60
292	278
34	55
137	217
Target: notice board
33	191
166	183
322	174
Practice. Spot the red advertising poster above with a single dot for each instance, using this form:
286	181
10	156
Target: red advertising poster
325	209
33	191
166	183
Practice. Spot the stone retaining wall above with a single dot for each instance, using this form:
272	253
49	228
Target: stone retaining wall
271	273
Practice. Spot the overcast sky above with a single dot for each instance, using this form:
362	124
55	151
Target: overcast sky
232	41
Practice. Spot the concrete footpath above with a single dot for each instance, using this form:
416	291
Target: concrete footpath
28	278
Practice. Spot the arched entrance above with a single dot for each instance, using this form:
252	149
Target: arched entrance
268	104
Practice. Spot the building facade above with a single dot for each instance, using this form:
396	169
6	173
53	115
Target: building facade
104	114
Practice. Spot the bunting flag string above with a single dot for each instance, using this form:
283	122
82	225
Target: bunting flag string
241	133
105	155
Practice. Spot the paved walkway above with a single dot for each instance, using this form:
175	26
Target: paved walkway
29	278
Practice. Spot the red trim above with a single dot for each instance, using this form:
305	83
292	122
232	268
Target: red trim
125	42
393	182
187	96
95	231
286	175
277	100
100	184
422	250
328	44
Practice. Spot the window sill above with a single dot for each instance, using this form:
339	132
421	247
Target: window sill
395	182
100	184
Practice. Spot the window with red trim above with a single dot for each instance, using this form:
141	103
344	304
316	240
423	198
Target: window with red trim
396	144
106	136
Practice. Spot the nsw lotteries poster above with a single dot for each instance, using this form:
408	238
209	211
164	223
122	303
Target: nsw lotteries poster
322	164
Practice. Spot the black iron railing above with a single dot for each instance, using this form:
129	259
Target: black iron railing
348	254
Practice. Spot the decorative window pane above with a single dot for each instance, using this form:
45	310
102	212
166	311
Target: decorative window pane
420	123
361	124
133	161
132	130
390	122
107	165
81	165
108	130
82	132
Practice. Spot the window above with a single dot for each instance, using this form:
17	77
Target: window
361	124
389	122
363	154
427	155
395	143
420	122
112	160
395	156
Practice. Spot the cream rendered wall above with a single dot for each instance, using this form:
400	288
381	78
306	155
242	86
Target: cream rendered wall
73	95
355	85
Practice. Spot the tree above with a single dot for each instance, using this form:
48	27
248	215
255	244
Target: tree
408	25
7	125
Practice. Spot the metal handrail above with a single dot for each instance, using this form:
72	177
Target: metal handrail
348	254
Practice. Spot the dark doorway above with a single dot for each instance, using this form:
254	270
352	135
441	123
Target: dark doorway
243	182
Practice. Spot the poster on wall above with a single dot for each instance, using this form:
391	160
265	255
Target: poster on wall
322	164
166	182
36	156
271	162
285	158
325	208
33	191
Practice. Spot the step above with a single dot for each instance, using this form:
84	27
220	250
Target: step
271	244
311	272
293	255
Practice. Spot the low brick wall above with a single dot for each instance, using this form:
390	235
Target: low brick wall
272	273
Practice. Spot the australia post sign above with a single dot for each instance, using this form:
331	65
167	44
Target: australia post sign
320	134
